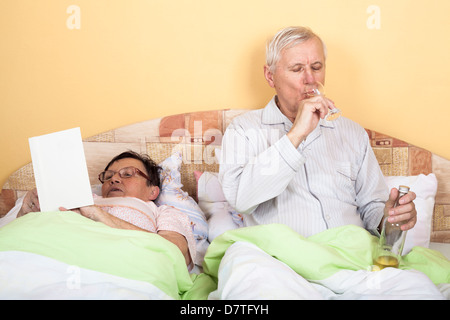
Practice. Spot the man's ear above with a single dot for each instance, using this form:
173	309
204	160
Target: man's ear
153	193
269	76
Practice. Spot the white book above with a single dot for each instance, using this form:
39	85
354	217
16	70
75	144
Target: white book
60	170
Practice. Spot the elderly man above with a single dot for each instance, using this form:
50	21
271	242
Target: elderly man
286	164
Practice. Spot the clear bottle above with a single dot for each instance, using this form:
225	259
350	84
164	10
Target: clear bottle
392	240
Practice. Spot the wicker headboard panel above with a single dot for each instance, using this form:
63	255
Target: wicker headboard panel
197	134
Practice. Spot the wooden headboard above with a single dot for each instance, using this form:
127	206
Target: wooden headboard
198	134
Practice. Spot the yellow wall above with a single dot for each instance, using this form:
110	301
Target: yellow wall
132	60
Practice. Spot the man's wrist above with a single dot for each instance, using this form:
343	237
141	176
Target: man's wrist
295	139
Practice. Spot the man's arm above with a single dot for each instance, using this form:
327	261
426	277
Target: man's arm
251	171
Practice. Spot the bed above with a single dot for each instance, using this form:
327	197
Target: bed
70	257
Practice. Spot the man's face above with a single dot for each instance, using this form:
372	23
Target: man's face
135	186
296	73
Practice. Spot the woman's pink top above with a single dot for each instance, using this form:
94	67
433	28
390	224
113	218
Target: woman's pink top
148	216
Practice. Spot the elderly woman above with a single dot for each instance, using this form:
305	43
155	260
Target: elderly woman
130	183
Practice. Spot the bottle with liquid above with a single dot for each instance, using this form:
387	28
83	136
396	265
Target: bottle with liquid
392	239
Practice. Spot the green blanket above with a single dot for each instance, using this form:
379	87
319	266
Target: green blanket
322	255
75	240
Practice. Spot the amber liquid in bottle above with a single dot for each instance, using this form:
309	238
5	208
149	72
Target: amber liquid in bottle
385	262
391	242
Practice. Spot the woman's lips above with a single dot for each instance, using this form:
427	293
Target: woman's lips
115	190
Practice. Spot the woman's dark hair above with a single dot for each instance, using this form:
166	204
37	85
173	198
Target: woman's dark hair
151	167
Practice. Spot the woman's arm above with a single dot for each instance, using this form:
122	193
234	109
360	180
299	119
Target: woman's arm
30	203
178	240
97	214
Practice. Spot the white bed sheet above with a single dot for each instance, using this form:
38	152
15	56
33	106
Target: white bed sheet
46	278
270	278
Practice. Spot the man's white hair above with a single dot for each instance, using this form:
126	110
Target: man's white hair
287	38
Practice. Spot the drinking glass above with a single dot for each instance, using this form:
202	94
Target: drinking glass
319	90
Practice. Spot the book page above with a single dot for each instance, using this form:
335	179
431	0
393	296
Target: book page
60	170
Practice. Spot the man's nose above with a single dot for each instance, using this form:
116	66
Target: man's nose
309	77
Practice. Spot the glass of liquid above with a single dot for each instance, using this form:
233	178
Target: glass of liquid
319	90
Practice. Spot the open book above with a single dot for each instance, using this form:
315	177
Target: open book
60	170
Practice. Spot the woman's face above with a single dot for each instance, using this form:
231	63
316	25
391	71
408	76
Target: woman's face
135	186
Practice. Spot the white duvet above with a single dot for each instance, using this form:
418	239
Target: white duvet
62	255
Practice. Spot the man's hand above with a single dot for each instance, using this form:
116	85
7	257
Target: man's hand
310	111
405	213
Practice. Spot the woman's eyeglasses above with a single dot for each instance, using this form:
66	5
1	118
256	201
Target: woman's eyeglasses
124	173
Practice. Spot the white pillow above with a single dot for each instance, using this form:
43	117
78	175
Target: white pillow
172	194
221	216
425	187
